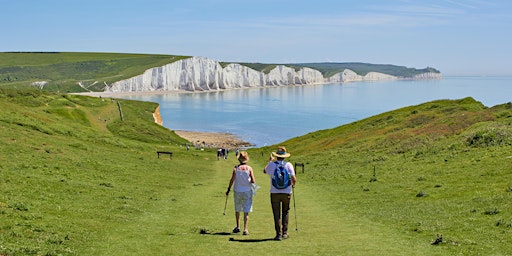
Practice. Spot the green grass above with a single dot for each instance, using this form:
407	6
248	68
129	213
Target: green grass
63	70
75	179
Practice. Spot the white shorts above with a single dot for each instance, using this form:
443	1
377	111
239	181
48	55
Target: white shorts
243	201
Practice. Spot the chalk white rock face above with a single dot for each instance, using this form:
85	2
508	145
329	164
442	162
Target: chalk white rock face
310	76
346	76
238	76
376	76
203	74
193	74
197	74
350	76
428	75
283	75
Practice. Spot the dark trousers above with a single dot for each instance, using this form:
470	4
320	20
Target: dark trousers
280	205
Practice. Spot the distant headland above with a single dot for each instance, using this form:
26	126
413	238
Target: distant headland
75	72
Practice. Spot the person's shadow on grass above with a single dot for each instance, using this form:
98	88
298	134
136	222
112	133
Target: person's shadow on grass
221	233
231	239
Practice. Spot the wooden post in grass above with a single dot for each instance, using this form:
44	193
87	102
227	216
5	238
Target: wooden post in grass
299	165
120	110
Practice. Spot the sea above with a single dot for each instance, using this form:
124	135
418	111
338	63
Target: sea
271	115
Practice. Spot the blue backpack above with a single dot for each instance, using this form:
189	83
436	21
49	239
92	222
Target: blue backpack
281	178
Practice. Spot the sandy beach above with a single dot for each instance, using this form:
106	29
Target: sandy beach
200	139
213	139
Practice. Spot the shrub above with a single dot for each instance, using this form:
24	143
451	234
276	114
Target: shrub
493	136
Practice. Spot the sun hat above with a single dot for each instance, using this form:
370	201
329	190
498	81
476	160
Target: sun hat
243	157
281	152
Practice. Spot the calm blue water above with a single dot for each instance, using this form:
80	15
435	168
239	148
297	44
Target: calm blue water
266	116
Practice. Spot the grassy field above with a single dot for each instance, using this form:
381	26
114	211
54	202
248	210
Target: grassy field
75	179
64	70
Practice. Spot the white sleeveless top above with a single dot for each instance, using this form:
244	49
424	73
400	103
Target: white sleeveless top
242	180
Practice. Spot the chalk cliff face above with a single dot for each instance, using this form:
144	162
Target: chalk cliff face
203	74
428	75
350	76
238	76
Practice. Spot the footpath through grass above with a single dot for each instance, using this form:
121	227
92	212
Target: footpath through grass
75	179
191	222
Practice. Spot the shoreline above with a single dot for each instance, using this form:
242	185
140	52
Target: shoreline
213	139
196	139
119	94
201	139
161	92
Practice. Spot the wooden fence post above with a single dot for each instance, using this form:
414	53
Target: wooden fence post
299	165
120	110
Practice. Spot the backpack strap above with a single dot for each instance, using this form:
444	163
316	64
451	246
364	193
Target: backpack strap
280	163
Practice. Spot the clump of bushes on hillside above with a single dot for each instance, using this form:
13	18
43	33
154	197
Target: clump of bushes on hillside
491	136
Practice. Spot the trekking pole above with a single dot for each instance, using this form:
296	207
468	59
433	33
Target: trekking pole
225	204
295	210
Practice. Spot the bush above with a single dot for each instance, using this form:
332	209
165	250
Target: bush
493	136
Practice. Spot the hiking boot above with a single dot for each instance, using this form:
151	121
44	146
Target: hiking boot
245	232
278	238
236	230
285	235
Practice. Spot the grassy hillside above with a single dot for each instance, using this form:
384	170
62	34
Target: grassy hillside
75	179
442	167
62	71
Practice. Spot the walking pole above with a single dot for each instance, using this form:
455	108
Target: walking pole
295	210
225	204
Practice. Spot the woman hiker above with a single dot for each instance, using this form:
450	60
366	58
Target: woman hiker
243	179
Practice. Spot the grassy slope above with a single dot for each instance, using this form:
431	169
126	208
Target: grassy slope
457	153
63	70
76	180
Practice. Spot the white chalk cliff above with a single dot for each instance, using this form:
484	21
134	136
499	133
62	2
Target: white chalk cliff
350	76
203	74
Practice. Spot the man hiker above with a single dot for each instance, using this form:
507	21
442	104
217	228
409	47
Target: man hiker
282	180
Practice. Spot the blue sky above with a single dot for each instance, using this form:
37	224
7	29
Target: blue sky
458	37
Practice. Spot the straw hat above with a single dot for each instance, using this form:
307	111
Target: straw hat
243	157
281	152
